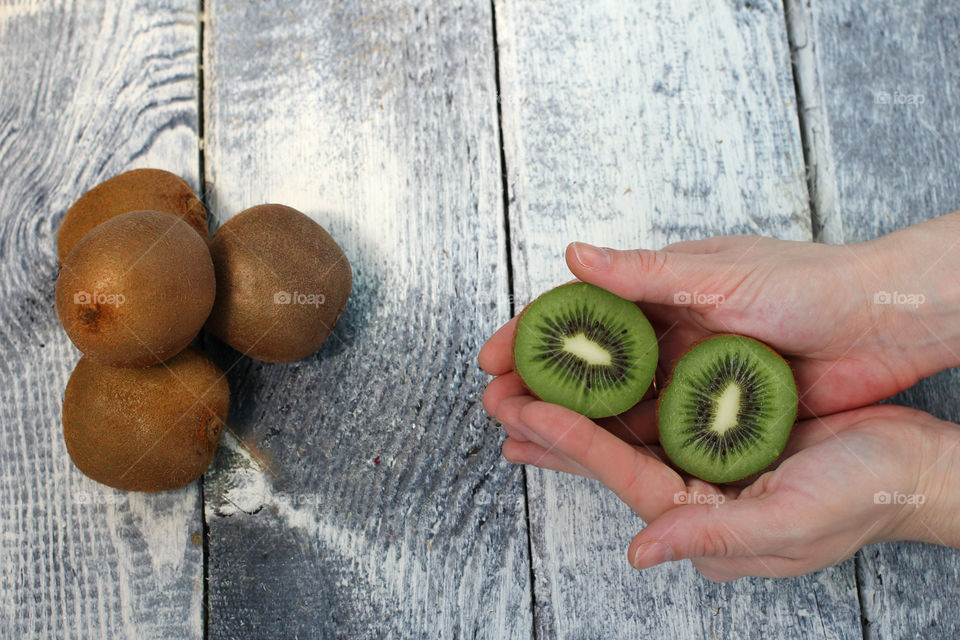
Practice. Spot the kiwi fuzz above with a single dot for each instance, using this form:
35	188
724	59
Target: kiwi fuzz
727	409
136	190
150	429
282	283
586	349
136	289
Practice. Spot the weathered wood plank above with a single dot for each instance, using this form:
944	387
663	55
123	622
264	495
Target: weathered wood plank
890	72
365	496
86	91
627	125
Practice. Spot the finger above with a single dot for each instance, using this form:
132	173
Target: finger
524	452
769	566
515	433
734	528
636	476
635	426
496	356
642	275
500	388
508	413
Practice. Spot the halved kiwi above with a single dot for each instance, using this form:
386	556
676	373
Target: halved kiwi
728	408
150	429
586	349
137	190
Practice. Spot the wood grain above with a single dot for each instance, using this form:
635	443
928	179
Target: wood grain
636	125
86	91
890	72
364	494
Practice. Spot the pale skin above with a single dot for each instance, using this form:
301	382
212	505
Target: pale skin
822	307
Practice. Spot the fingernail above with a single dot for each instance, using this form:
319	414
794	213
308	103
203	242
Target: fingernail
591	257
650	554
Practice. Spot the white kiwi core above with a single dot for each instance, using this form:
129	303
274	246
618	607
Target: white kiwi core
727	409
587	350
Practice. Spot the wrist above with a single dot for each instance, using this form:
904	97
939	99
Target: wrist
909	280
931	513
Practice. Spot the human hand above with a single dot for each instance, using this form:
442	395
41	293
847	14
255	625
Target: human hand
813	303
879	473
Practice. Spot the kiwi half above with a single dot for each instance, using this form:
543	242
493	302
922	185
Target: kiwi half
150	429
282	283
136	289
586	349
728	408
137	190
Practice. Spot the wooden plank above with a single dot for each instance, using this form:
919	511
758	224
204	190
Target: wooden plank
636	125
889	74
365	495
86	91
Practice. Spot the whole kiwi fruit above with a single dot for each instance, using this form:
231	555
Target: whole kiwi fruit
149	429
727	411
282	283
136	289
586	349
137	190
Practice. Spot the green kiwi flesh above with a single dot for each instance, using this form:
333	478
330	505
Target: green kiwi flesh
586	349
728	408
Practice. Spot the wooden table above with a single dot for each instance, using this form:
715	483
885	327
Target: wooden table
453	149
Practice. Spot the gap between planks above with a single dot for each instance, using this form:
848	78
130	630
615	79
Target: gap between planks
505	191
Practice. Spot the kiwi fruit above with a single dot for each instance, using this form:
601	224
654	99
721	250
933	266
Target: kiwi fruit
136	289
149	429
282	283
728	408
137	190
586	349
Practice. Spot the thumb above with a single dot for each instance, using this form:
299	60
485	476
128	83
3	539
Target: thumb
739	528
641	275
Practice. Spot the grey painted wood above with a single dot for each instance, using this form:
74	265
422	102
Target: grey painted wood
86	91
890	72
639	124
362	493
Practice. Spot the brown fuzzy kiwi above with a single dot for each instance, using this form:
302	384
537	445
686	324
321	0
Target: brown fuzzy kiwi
137	190
282	283
150	429
136	289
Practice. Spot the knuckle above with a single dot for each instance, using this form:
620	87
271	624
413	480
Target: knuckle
646	262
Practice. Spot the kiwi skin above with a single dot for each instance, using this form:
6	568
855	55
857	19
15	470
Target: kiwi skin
137	190
739	476
150	429
136	289
267	252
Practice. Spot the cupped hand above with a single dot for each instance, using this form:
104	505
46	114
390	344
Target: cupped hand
813	303
874	474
